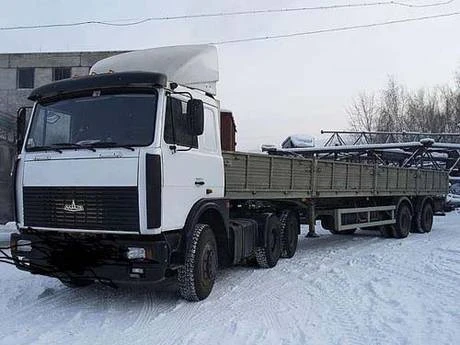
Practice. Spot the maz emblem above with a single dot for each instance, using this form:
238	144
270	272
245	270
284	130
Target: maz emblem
73	207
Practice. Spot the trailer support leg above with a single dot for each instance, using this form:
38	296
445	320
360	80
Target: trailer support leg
312	221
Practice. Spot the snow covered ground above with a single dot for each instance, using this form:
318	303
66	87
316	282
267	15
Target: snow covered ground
359	289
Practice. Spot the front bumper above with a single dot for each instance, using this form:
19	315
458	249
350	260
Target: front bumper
91	257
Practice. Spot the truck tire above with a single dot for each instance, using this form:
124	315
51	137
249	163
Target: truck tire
197	276
422	220
290	229
327	223
268	255
403	221
425	218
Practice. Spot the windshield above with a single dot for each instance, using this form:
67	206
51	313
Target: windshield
96	121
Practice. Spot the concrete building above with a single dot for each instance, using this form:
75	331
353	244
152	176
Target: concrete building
19	74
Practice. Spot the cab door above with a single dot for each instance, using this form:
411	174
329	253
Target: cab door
192	165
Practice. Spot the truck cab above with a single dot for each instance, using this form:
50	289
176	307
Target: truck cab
120	157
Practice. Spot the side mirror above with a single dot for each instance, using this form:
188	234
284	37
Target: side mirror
20	128
195	116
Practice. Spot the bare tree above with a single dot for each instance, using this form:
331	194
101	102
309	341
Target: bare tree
392	107
424	111
363	113
395	109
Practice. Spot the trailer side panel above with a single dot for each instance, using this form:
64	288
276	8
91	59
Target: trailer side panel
258	176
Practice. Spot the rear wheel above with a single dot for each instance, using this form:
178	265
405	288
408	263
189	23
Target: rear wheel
423	220
197	276
426	217
403	221
290	229
268	255
327	223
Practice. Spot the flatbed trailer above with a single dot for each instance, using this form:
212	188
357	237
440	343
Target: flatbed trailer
121	177
259	176
343	195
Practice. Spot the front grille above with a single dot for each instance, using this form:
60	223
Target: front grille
104	208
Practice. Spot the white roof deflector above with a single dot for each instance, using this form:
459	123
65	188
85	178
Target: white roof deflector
195	66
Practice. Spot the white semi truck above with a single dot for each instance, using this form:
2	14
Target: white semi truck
121	178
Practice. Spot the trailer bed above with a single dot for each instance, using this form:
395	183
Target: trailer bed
260	176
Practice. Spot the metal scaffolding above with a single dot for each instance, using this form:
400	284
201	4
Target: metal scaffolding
422	154
339	138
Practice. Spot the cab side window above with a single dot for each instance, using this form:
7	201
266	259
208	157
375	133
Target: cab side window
176	124
208	141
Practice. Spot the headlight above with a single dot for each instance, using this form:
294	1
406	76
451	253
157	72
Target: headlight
24	246
134	253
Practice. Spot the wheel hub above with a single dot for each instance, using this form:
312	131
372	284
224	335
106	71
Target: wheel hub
209	264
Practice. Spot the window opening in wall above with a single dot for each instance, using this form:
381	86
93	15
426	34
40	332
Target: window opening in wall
25	78
60	73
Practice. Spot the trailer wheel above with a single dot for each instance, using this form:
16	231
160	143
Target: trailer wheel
426	217
403	221
423	220
290	229
327	223
197	276
268	255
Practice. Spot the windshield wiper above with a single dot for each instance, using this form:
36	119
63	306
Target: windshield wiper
73	145
44	148
102	144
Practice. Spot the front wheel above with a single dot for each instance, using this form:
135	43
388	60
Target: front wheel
197	276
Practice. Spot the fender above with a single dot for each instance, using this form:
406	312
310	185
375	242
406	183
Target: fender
405	199
203	205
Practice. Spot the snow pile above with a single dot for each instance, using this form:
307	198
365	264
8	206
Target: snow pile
359	289
298	141
6	230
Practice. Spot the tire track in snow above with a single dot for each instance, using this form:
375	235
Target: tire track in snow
356	258
147	312
408	273
313	298
233	311
412	271
138	311
50	313
266	299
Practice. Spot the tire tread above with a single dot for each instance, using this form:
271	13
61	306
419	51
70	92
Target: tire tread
186	274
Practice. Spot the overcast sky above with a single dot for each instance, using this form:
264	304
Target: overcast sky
276	87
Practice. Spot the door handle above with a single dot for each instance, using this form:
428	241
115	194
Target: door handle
199	183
